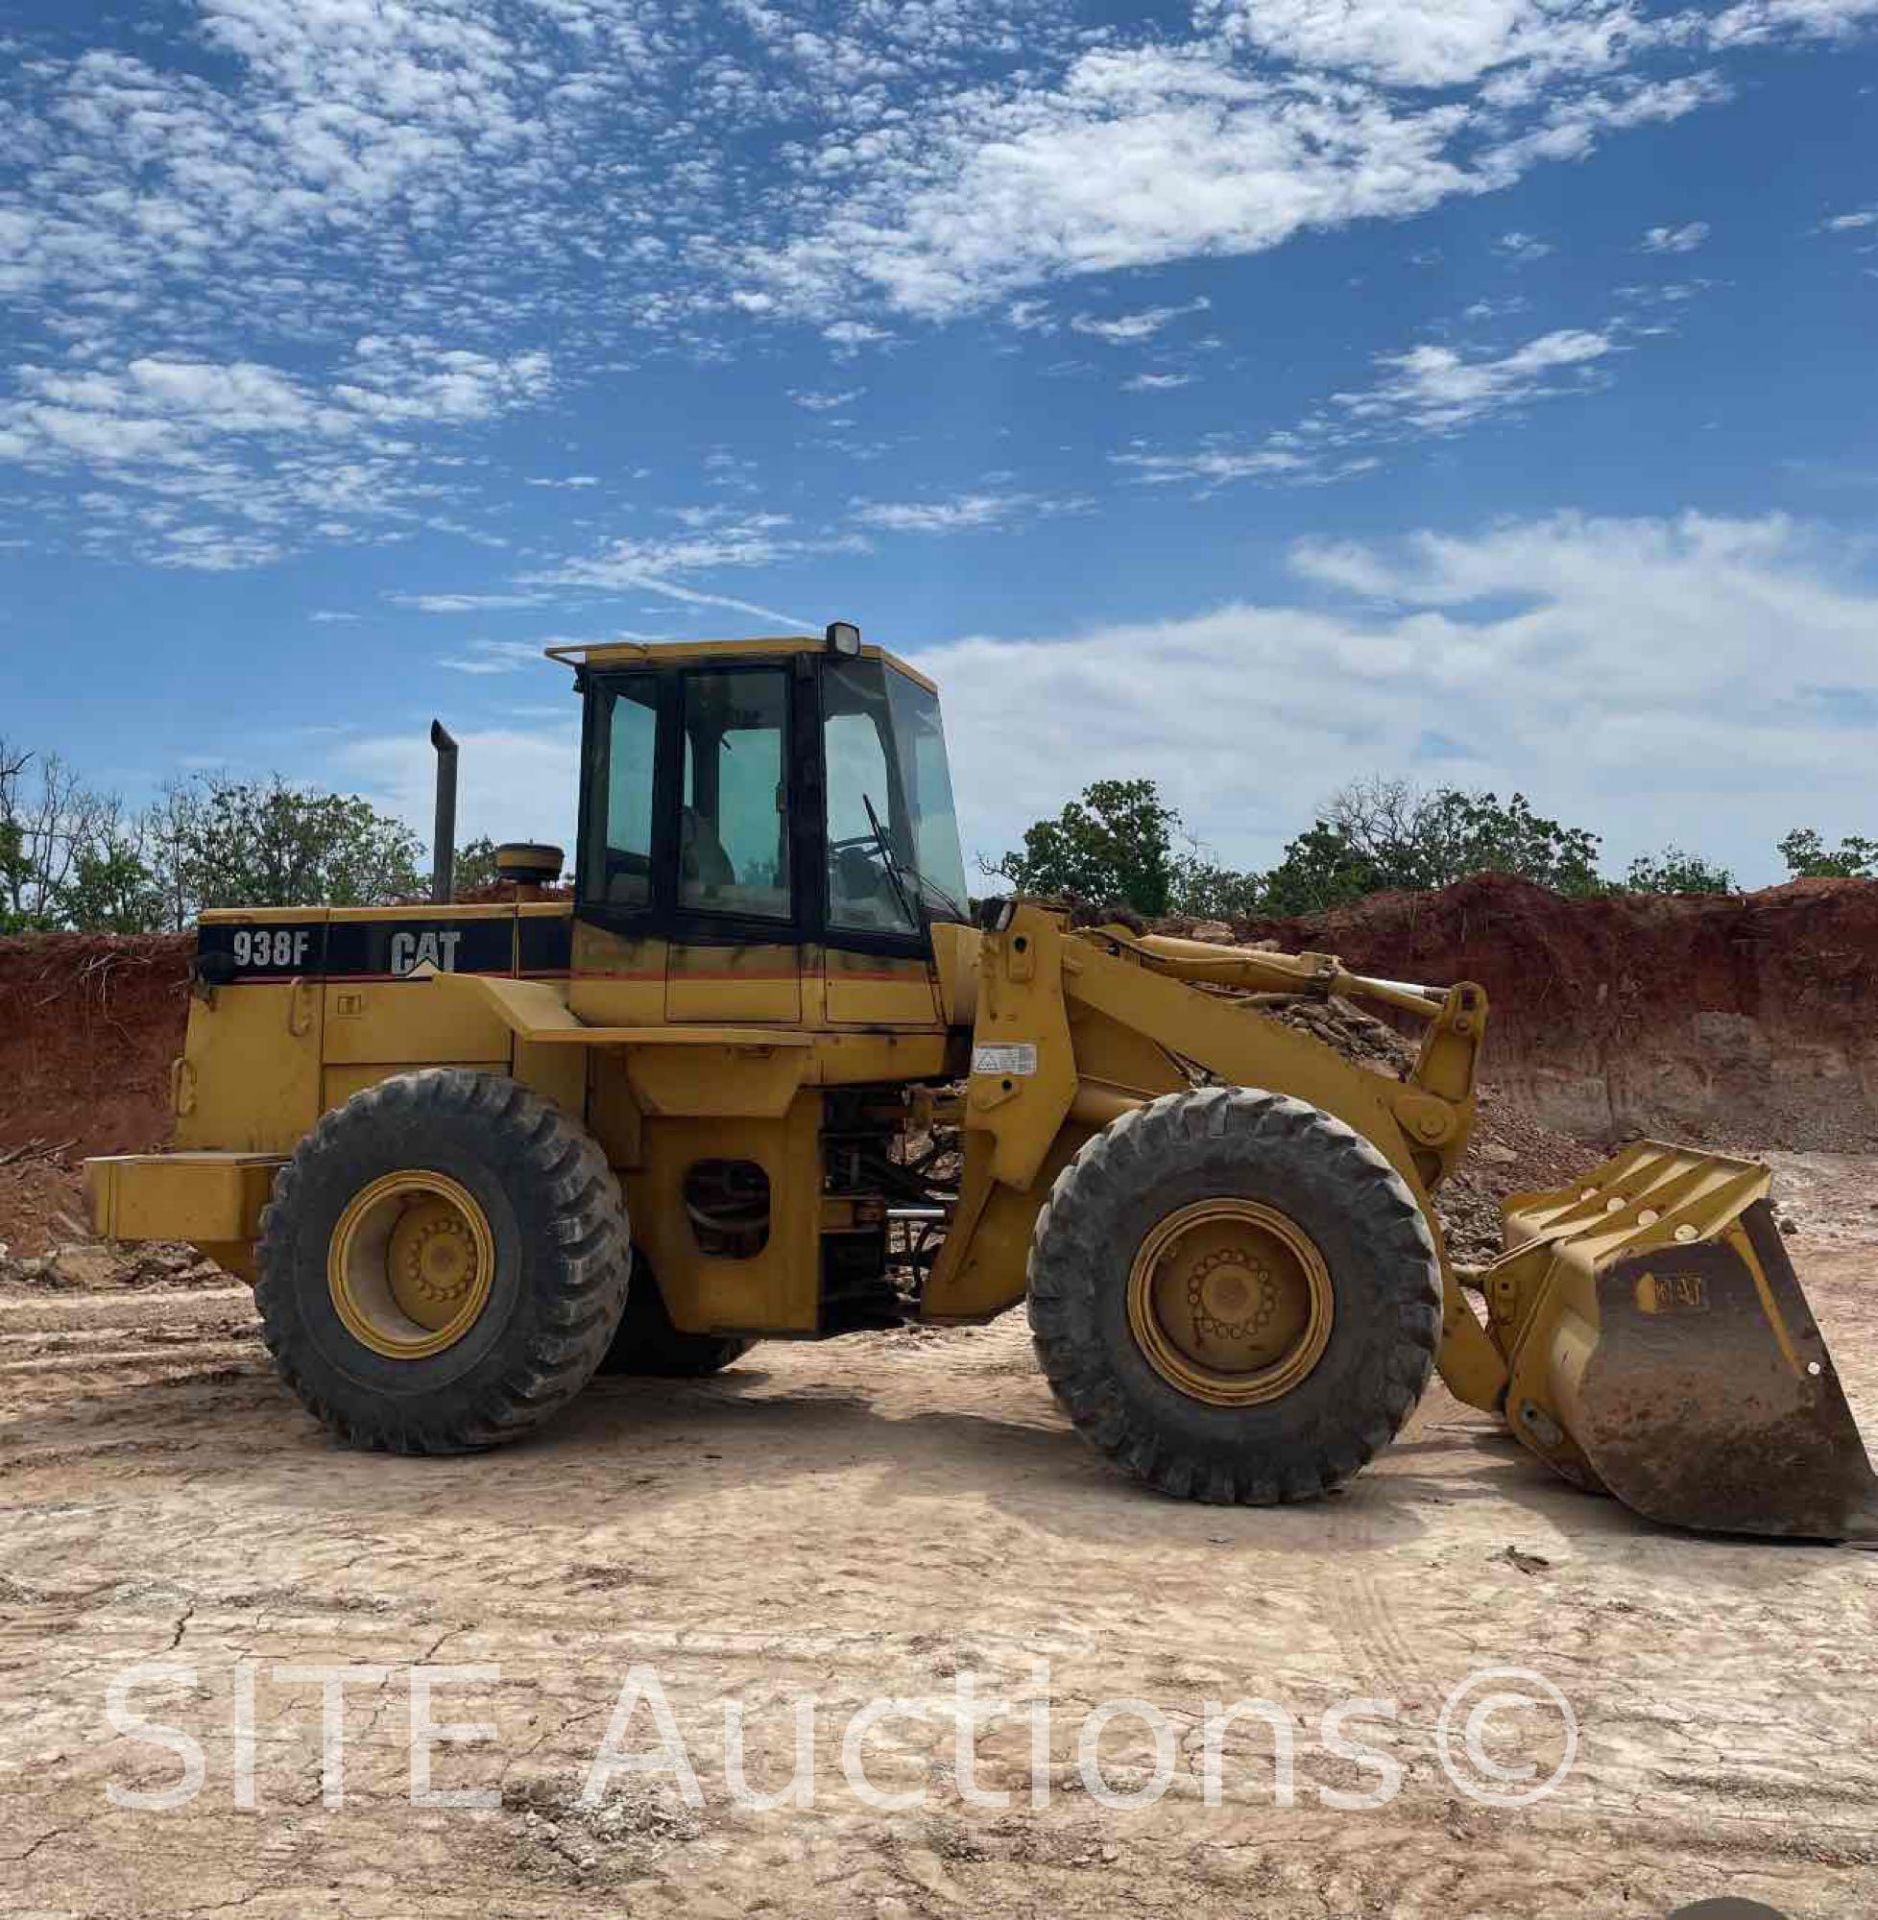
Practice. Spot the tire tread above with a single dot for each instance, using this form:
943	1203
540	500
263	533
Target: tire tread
1133	1157
581	1263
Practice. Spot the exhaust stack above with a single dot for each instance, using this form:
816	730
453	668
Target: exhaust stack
443	835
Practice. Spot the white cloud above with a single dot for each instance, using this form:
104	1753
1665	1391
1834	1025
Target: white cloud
1522	247
849	336
246	459
1435	43
412	378
214	549
1425	390
1138	156
164	409
964	513
517	783
1280	459
1614	670
311	239
463	602
1433	389
1683	239
1132	156
1852	222
1130	329
494	656
714	538
1758	21
694	597
826	402
1156	382
571	481
1568	125
1478	312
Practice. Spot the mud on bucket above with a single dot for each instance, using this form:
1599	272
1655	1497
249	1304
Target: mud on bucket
1659	1347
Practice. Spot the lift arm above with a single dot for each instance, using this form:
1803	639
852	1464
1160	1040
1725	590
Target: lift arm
1073	1027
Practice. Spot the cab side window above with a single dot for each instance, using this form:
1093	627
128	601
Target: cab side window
866	891
620	851
733	822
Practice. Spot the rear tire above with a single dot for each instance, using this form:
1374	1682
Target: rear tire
1352	1376
514	1206
648	1343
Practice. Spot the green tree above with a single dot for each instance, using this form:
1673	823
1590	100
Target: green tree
1476	833
1674	871
164	835
1379	834
73	857
12	874
475	867
1809	858
1208	891
49	822
244	843
112	889
1417	840
1115	843
1322	868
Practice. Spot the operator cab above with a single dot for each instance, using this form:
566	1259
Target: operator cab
766	792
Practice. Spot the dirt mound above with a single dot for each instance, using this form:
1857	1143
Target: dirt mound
45	1237
42	1202
1728	1018
1511	1150
89	1024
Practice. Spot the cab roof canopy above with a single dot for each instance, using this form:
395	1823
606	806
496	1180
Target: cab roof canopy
629	653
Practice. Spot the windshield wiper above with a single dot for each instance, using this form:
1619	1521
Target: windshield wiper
891	864
928	885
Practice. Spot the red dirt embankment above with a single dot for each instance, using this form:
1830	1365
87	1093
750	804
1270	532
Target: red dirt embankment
1731	1018
89	1024
1747	1017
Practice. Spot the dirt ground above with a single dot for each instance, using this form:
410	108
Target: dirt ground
875	1518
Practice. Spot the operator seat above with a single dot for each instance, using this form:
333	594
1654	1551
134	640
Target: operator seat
702	861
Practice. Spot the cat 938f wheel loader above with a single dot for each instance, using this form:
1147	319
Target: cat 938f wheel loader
765	1077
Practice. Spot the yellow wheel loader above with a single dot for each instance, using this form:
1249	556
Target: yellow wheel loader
766	1077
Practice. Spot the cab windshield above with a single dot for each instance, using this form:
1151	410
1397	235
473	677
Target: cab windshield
893	835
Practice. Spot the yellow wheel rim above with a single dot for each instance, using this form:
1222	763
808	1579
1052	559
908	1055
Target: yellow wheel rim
410	1264
1230	1301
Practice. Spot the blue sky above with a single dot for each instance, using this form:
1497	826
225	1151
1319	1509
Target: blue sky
1257	394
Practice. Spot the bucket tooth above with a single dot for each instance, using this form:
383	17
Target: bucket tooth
1659	1346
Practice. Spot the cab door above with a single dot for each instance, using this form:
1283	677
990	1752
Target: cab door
617	955
736	949
876	963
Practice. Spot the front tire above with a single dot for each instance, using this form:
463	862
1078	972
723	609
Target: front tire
443	1263
1234	1296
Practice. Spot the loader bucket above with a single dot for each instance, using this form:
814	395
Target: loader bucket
1659	1347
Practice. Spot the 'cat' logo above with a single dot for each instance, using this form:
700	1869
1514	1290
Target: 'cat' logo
409	951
